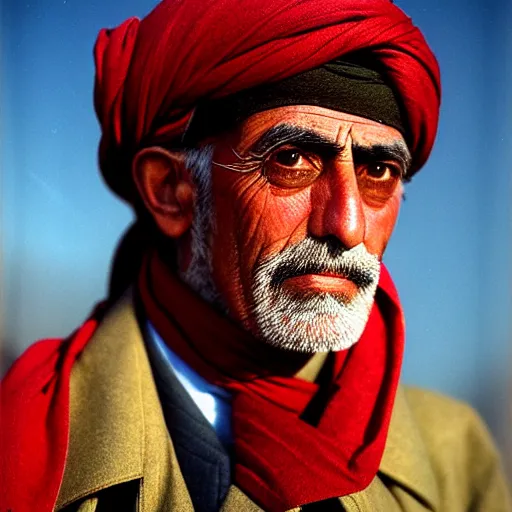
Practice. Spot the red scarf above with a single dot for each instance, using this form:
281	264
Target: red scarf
282	461
34	421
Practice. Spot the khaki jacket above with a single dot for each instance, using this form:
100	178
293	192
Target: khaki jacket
438	456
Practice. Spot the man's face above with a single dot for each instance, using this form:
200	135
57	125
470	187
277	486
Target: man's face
304	200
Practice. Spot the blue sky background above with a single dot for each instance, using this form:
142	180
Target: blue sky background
450	255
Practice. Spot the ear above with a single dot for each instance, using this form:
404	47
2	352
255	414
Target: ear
165	186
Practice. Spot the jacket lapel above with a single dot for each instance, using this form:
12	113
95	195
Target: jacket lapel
117	431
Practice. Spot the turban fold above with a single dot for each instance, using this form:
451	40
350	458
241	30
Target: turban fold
152	73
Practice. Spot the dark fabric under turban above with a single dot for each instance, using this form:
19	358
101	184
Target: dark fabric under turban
152	73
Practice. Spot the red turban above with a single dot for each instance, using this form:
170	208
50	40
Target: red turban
152	73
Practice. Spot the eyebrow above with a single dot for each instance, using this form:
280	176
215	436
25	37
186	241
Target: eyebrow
396	151
304	138
308	139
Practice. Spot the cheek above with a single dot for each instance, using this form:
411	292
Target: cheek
270	221
380	224
253	220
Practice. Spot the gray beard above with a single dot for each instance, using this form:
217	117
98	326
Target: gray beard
199	274
319	321
310	323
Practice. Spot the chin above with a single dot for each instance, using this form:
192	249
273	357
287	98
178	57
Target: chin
314	323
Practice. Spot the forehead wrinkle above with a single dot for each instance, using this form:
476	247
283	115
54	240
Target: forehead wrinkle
380	134
342	138
346	154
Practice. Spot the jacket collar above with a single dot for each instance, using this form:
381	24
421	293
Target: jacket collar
114	399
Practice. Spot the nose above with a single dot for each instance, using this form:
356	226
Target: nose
337	208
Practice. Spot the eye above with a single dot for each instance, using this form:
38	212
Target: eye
377	181
379	171
290	167
288	157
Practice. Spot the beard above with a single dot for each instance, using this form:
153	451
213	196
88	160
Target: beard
307	322
199	273
313	322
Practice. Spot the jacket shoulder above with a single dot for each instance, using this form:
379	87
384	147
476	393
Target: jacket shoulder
461	450
435	412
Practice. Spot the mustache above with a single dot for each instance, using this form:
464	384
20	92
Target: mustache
326	256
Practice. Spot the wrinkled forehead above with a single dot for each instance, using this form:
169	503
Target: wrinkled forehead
337	127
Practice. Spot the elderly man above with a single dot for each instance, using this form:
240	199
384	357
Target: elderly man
253	364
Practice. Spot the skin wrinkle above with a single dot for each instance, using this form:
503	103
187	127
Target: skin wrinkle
258	222
247	196
251	182
265	249
247	208
295	135
284	242
338	134
300	226
297	233
246	295
302	136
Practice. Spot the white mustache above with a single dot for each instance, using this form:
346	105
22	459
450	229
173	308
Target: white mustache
312	256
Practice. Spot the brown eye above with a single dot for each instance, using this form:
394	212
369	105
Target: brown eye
379	171
288	157
377	181
290	167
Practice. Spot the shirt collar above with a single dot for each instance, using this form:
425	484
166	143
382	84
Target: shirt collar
213	402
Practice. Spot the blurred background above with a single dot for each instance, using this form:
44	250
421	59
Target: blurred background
451	254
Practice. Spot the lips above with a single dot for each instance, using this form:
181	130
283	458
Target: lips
321	283
359	269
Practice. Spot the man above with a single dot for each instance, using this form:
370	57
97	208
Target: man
253	363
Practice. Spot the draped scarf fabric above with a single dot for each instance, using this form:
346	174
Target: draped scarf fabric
152	73
34	420
282	460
